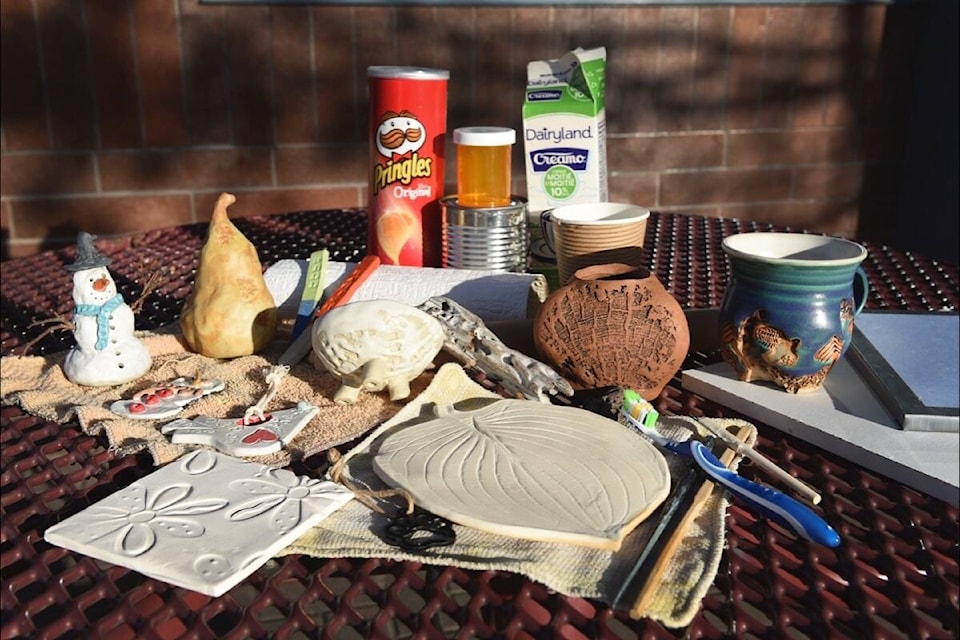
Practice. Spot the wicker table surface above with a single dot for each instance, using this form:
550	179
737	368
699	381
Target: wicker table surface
895	574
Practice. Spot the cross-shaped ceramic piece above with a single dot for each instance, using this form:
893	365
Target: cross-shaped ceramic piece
243	437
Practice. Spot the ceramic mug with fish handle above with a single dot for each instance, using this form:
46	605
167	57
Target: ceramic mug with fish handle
788	311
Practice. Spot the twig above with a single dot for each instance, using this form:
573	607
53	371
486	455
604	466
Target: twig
61	322
152	284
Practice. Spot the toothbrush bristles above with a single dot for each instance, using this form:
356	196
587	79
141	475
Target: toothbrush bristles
639	409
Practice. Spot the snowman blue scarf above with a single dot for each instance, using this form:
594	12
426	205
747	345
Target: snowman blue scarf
102	313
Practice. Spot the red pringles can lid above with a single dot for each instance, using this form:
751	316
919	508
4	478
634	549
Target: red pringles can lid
408	122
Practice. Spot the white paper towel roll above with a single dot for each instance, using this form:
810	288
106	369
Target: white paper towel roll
492	295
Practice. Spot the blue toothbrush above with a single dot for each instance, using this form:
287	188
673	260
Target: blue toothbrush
766	500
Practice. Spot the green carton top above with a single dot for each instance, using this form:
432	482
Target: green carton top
573	83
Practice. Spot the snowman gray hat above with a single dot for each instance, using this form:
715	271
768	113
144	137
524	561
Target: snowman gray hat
87	255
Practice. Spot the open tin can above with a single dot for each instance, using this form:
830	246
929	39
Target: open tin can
485	238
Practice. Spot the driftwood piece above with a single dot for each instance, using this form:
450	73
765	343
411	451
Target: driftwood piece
469	341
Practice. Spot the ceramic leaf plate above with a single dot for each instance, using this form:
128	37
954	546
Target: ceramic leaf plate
529	470
205	521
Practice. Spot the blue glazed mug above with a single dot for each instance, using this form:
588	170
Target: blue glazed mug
788	311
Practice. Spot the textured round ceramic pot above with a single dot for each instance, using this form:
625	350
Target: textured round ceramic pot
581	235
613	325
788	311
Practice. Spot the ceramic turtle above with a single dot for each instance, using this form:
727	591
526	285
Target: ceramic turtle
371	345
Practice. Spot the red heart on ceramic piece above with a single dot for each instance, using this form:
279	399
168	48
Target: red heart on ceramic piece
260	435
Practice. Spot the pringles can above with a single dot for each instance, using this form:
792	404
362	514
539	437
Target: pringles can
408	125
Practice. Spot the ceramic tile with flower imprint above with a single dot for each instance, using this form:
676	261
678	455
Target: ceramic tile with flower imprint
204	522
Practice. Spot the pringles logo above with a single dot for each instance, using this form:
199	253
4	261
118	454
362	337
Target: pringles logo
399	138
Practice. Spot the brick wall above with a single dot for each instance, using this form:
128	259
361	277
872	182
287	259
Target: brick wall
123	116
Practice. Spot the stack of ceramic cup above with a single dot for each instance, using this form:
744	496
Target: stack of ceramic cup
582	235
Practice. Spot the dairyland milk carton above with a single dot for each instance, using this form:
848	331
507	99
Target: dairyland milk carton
564	130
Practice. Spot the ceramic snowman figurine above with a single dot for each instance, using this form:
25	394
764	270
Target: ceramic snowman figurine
106	353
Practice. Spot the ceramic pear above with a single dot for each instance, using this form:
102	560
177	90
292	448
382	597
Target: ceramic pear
230	312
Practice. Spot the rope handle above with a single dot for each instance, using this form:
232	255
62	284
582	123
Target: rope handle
256	413
368	497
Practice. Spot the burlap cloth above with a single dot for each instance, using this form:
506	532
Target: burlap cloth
574	570
38	386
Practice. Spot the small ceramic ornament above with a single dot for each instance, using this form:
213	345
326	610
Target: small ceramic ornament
164	401
253	436
106	352
203	522
376	344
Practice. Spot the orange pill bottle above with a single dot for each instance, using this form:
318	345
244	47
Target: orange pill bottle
483	165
